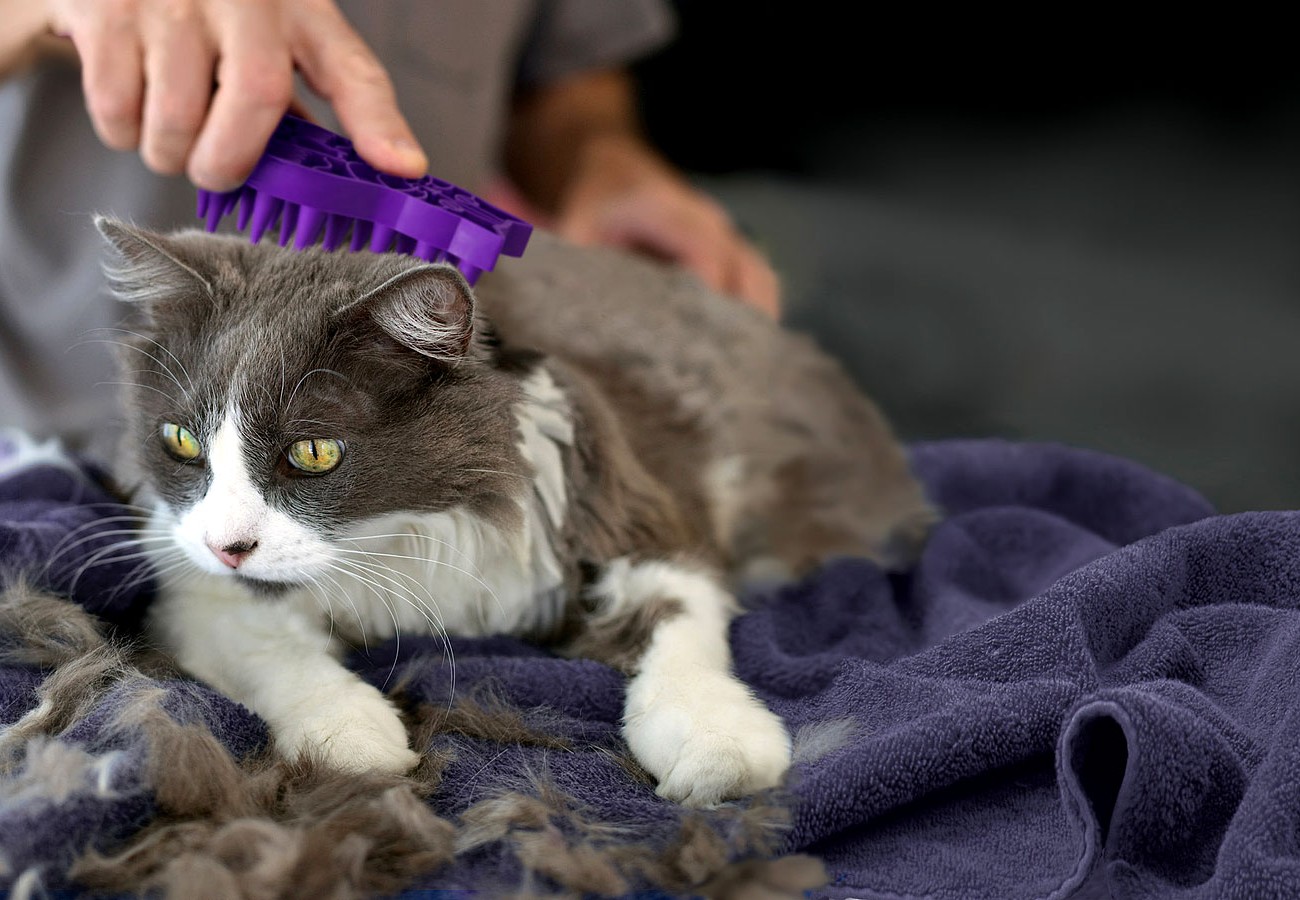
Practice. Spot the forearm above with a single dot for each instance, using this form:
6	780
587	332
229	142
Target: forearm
554	130
576	151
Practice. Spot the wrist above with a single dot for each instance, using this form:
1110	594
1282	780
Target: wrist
621	156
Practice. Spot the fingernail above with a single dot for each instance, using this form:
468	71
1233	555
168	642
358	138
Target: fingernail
410	153
215	183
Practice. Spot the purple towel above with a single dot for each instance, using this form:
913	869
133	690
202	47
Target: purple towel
1089	682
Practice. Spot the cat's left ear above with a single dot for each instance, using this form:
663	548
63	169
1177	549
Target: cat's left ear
149	269
428	309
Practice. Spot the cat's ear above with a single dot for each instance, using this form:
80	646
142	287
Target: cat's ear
147	268
428	309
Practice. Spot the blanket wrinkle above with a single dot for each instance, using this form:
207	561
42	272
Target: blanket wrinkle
1087	684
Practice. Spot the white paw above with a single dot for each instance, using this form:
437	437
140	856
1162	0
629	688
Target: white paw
354	729
705	738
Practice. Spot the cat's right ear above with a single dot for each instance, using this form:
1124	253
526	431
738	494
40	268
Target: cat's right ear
426	309
146	269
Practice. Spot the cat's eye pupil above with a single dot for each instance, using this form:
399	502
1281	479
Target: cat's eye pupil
315	456
180	442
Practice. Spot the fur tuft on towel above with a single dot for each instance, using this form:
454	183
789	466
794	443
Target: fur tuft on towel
1088	681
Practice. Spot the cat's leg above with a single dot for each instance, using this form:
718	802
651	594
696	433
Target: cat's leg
693	725
278	661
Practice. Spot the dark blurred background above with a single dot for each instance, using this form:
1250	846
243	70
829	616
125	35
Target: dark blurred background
1081	231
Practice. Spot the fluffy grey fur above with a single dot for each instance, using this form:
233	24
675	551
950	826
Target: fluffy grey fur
611	443
702	429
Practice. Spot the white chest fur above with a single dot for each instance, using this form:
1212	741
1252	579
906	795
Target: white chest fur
449	572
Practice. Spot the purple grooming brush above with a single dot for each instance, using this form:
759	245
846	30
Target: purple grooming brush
310	180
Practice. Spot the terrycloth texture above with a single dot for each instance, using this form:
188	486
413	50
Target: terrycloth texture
1089	679
60	527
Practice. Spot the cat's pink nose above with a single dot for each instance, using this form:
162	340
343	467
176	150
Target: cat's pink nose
232	554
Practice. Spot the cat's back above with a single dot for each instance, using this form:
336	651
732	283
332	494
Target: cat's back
599	303
636	324
706	385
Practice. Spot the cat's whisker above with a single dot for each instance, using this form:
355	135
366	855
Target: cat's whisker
95	560
439	627
97	557
356	613
149	568
379	570
128	543
182	563
414	536
136	384
163	369
89	526
64	547
308	374
427	610
420	559
408	534
370	584
284	365
320	594
265	390
115	504
330	426
66	543
397	643
101	520
136	535
436	562
518	475
379	595
145	337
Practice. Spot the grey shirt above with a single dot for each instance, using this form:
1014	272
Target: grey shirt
455	64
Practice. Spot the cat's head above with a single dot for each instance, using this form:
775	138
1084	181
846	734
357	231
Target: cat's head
280	399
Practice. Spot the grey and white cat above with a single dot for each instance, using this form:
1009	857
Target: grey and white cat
588	451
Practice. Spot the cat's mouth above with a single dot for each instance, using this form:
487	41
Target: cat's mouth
264	588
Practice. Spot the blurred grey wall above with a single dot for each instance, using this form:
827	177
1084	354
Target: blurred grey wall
1087	233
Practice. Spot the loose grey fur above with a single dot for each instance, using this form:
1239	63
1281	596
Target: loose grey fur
261	827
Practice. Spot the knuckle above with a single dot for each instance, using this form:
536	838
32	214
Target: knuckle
118	13
174	11
162	160
266	83
175	116
116	110
362	68
223	160
217	175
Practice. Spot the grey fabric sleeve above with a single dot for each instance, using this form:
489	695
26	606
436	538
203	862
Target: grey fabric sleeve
572	35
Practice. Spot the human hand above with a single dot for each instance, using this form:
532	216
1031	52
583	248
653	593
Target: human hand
197	86
621	193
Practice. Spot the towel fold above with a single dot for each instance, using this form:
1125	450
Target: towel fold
1088	679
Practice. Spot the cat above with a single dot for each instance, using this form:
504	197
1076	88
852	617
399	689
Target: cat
589	450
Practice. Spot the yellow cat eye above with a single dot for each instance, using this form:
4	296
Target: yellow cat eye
180	442
316	456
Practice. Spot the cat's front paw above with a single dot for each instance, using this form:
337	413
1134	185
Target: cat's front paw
706	740
354	730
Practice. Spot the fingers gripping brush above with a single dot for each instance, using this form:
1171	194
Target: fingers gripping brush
311	184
